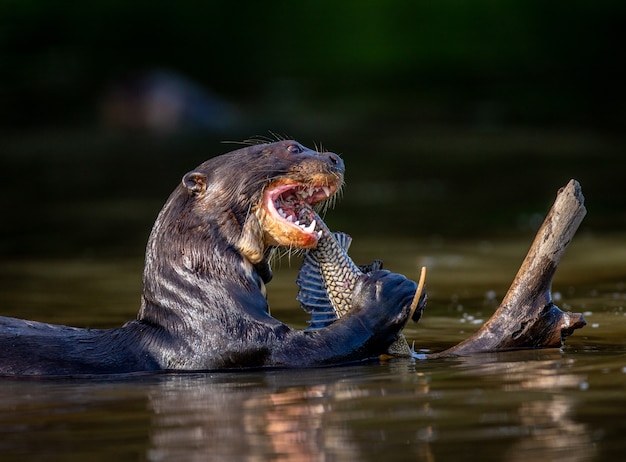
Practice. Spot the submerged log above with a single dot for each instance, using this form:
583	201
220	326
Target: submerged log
527	316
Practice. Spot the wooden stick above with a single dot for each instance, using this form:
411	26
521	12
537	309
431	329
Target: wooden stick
527	317
418	293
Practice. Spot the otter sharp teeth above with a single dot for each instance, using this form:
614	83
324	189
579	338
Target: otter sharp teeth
310	191
310	228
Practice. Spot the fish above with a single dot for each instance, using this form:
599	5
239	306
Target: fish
327	279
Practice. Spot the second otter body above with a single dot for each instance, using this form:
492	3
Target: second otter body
203	300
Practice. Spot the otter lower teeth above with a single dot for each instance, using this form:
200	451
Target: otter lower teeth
310	228
293	207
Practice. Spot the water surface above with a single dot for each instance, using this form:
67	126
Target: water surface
553	404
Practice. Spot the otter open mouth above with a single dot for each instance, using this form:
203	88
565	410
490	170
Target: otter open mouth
289	219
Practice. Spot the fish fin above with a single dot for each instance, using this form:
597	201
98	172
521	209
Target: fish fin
321	319
374	266
344	240
312	294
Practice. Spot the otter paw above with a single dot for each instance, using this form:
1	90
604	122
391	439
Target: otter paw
385	296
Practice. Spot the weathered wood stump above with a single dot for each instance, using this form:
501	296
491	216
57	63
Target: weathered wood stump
527	316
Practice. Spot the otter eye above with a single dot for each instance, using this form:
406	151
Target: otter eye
294	149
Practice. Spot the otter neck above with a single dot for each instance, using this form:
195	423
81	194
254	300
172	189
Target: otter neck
196	272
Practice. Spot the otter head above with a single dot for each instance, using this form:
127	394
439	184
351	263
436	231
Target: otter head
263	195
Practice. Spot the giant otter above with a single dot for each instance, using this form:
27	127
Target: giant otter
203	304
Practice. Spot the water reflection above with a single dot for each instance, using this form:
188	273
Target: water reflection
545	416
283	415
553	432
400	410
509	406
194	419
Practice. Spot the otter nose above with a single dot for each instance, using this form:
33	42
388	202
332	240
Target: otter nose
334	160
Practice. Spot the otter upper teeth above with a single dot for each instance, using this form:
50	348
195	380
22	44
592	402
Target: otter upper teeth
308	192
326	190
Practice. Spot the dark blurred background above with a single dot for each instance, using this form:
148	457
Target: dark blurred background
456	118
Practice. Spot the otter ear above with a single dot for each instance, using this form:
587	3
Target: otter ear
195	182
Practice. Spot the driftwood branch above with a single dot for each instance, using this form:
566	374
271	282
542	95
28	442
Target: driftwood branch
527	316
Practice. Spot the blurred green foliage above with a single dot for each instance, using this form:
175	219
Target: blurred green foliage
548	62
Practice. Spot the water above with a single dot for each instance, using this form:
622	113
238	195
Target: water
563	404
76	259
521	406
